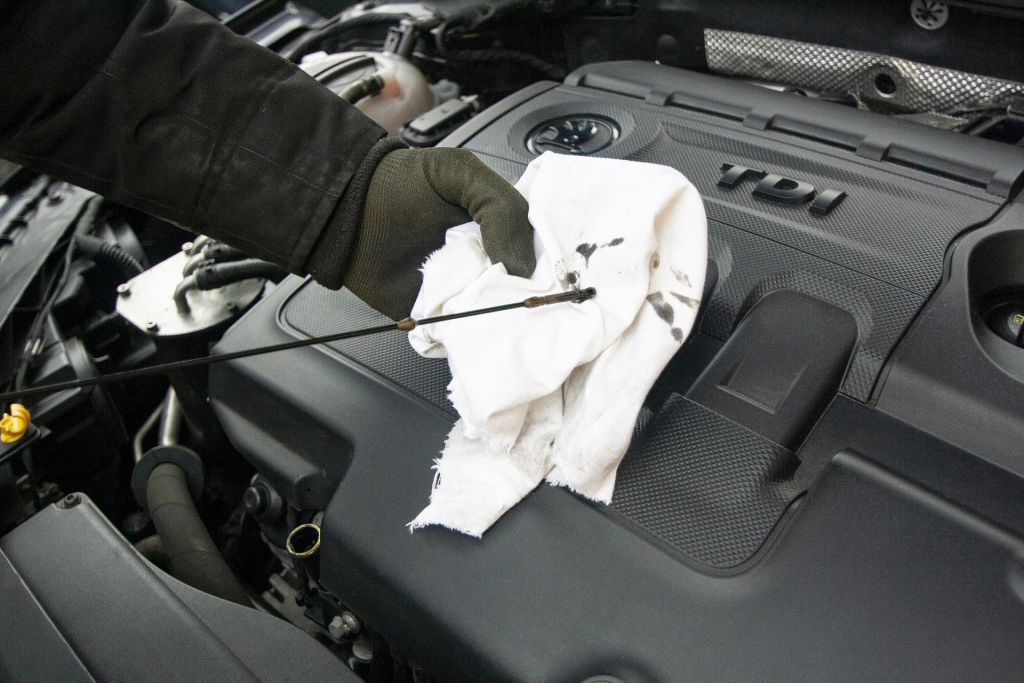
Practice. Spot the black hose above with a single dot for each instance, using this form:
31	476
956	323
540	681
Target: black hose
220	274
152	549
221	253
193	556
368	86
110	254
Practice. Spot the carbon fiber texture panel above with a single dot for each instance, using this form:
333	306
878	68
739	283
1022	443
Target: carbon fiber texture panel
915	87
751	267
894	224
314	311
886	228
704	485
878	255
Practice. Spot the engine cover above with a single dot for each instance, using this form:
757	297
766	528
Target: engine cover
768	522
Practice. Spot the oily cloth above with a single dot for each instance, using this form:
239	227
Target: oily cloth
554	392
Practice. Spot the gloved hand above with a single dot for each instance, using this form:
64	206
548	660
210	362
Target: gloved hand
414	196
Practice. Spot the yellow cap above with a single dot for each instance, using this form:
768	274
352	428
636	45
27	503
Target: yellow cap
14	424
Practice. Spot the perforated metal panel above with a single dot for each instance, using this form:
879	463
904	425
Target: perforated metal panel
915	87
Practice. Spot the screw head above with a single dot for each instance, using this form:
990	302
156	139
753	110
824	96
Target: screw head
187	247
124	289
71	500
152	326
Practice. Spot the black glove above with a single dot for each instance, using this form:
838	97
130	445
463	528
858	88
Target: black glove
414	196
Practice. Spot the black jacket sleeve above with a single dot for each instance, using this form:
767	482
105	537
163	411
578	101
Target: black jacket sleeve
155	105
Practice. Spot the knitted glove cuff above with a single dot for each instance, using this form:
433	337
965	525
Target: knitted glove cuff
328	260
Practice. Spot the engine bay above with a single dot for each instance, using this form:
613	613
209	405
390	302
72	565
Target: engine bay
826	482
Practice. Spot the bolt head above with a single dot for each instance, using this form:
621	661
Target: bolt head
230	306
71	500
187	247
344	625
124	289
152	326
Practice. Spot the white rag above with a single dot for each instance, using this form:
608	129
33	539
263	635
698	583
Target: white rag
554	392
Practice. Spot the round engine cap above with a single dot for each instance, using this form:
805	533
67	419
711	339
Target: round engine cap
930	15
573	135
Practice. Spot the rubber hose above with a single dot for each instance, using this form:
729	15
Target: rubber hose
197	244
109	253
153	550
194	559
363	88
218	275
194	263
222	253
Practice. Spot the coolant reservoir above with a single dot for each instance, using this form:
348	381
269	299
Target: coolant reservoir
337	71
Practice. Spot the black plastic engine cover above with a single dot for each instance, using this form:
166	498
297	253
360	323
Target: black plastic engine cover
742	544
878	254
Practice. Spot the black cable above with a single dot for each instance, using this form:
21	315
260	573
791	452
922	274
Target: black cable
57	284
406	325
85	222
112	254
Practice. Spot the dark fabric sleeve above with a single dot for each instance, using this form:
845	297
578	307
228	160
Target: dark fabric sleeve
155	105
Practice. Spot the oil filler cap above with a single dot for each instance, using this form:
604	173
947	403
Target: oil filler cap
1006	319
578	135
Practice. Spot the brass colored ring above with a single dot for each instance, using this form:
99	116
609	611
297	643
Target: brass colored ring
305	553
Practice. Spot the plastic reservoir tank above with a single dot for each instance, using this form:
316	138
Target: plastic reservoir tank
339	70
